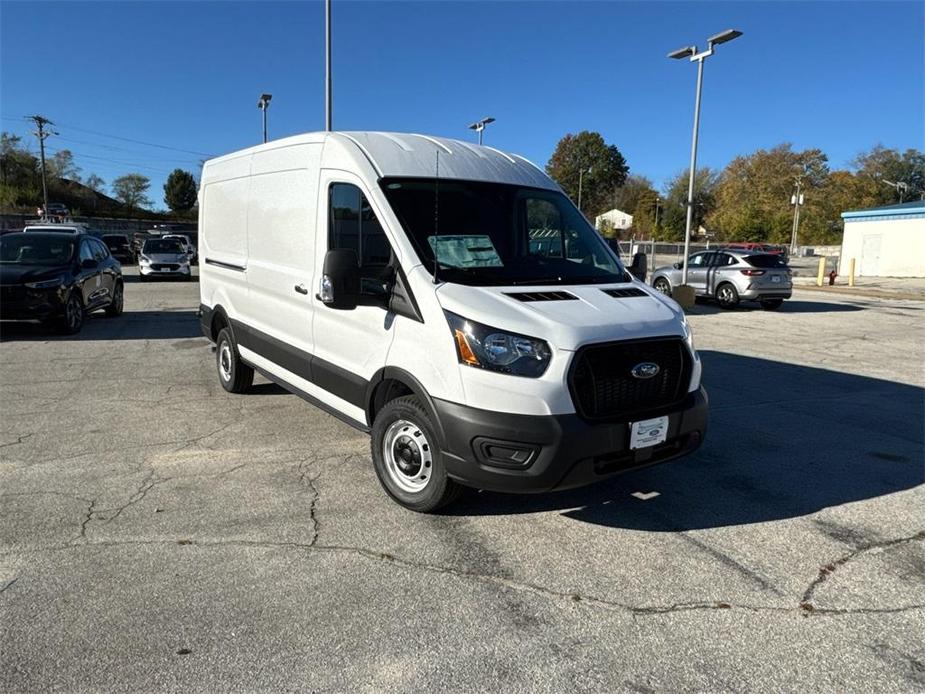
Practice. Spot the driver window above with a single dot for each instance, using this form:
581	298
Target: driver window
698	259
353	225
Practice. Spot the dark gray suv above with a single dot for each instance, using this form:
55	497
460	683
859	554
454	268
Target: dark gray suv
730	277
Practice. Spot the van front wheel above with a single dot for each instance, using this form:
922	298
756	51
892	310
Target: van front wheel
407	460
234	375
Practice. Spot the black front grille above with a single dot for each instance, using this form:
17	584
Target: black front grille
543	296
603	386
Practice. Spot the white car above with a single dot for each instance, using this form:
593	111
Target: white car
163	257
187	244
392	280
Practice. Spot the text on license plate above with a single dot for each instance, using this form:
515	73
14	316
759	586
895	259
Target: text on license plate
649	432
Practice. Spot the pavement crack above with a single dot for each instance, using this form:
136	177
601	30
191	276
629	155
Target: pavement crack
18	440
826	570
306	480
8	584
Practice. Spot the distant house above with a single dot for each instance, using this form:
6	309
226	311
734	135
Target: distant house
885	241
618	220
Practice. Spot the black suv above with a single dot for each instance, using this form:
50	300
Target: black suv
120	247
56	277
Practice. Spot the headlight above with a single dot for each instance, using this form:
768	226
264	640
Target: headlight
489	348
47	284
689	336
143	259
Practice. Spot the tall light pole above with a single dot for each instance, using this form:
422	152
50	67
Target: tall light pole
797	201
581	172
263	105
691	53
328	95
479	126
901	186
41	123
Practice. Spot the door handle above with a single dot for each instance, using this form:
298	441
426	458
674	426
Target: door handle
300	288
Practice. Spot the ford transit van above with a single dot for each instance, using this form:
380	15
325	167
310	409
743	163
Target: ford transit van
451	301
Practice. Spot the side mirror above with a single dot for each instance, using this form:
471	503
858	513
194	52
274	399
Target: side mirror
678	266
88	264
340	280
640	266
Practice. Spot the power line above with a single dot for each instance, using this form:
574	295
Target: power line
111	161
124	149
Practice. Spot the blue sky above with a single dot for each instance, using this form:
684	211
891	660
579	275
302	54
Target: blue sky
836	75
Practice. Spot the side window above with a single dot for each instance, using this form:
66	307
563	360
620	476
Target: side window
353	225
86	252
544	228
699	259
723	259
99	250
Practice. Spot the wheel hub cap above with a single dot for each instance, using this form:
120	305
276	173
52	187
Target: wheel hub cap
408	456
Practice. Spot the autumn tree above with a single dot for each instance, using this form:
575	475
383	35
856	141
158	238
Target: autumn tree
61	164
131	190
581	152
95	183
889	174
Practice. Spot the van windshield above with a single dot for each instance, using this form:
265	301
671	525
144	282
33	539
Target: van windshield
481	233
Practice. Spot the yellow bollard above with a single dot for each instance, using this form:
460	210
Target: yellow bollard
851	273
821	272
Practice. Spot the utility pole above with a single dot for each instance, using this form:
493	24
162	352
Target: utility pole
41	123
581	172
328	98
797	201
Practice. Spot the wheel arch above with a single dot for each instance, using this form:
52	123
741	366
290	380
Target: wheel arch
392	382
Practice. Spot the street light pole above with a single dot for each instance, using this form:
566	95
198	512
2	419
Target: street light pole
691	53
328	94
479	126
797	201
263	105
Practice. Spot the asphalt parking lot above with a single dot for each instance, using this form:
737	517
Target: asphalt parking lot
157	533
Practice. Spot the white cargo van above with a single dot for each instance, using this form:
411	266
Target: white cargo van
450	300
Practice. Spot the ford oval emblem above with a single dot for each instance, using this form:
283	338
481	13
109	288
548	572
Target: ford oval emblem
645	370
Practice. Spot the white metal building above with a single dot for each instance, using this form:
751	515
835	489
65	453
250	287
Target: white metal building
618	219
885	241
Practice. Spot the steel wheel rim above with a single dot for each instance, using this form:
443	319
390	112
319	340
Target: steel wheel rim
408	456
224	361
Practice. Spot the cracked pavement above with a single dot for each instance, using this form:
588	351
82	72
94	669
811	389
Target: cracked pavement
157	533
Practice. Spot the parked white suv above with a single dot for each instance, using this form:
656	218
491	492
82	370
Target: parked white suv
450	300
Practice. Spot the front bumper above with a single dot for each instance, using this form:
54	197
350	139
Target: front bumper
529	453
21	303
148	271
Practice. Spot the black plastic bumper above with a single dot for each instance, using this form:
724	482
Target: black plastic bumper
526	453
205	320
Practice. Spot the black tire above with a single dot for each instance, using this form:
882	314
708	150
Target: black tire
403	424
727	295
662	285
118	301
234	375
771	304
72	320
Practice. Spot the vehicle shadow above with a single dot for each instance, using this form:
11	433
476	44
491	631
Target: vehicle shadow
131	325
135	279
706	308
784	441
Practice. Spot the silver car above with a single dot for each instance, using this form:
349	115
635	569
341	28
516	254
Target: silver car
730	277
162	257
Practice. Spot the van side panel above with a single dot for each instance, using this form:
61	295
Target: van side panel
281	244
223	233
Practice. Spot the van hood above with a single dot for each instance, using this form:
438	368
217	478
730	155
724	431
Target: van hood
593	316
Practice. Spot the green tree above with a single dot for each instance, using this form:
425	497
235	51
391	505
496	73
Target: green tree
180	191
576	153
673	210
20	185
131	190
638	197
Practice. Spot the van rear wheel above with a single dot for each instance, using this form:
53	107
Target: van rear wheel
408	460
234	375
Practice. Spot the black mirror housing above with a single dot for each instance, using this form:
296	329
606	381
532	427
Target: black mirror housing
640	266
341	279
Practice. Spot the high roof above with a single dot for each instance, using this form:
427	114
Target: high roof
412	155
415	156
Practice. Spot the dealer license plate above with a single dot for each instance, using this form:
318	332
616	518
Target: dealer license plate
649	432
